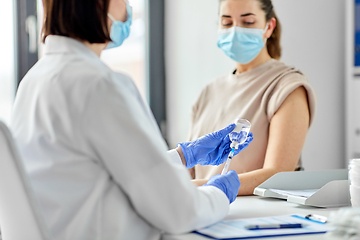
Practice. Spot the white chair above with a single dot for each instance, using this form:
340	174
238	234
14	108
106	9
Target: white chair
19	214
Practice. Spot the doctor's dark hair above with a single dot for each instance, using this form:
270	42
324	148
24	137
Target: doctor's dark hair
273	43
78	19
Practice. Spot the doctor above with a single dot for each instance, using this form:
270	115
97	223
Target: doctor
94	154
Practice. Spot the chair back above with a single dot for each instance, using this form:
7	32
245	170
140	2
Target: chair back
19	213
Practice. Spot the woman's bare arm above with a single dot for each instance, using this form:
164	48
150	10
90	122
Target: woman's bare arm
287	133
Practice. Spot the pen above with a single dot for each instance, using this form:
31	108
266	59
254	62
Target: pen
317	218
274	226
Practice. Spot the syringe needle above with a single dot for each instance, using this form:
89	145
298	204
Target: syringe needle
228	161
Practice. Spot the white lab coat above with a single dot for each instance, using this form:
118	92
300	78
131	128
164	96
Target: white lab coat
95	157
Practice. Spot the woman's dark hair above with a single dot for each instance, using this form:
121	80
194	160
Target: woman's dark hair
79	19
273	43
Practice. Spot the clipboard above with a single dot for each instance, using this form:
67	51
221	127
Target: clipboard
236	229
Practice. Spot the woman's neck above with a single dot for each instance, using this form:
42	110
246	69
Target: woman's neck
262	58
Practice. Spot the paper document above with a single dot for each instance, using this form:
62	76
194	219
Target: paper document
299	193
236	229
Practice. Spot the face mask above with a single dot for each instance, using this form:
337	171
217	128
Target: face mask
119	30
241	44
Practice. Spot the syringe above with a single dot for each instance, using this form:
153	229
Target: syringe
228	161
237	136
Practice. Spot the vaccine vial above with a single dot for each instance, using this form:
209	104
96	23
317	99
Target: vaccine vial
239	134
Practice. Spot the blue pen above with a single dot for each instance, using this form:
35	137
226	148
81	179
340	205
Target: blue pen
274	226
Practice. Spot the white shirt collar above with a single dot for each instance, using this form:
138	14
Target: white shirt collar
61	45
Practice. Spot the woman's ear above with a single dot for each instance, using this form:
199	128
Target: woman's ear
271	27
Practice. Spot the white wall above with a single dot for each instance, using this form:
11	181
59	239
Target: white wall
7	73
313	40
352	85
192	58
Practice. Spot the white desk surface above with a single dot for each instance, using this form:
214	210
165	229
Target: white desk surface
255	206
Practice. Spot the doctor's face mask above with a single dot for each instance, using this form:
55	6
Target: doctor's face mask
120	30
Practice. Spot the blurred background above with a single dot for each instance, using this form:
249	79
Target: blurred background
172	54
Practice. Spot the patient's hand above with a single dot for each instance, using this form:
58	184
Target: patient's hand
199	182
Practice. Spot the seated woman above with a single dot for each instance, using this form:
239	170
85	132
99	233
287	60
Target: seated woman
277	99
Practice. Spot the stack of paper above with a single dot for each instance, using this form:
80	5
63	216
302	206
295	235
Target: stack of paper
298	193
354	177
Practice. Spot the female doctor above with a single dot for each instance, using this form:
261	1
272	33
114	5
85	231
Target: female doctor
94	154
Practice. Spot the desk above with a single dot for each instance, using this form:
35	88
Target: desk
255	206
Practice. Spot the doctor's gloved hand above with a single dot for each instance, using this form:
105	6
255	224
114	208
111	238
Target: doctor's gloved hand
211	149
229	183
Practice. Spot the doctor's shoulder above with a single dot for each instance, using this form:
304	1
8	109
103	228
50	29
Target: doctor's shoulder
108	80
109	75
124	81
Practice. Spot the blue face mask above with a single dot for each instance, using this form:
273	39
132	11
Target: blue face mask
241	44
119	30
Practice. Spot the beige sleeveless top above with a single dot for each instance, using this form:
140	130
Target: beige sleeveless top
255	95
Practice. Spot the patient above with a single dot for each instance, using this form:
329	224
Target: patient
277	99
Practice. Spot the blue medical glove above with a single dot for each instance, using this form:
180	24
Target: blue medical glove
229	183
211	149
